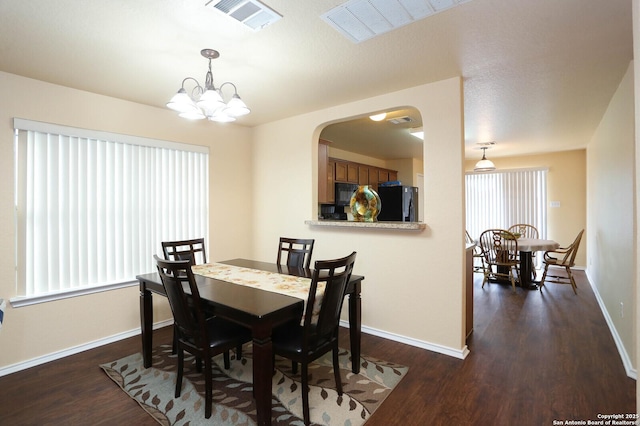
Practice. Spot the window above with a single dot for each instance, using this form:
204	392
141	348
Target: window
504	198
92	207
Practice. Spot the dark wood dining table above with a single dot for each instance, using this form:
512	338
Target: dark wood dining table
257	309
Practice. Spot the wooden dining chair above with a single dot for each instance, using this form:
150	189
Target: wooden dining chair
298	252
500	248
200	336
193	249
307	342
563	257
525	230
478	255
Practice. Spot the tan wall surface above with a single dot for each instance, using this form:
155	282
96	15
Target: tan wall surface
566	183
612	233
413	280
37	330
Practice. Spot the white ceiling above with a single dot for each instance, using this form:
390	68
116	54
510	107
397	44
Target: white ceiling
538	74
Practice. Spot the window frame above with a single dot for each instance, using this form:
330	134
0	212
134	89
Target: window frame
159	148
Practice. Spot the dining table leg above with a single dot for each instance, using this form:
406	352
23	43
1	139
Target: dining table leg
525	271
146	324
262	372
355	326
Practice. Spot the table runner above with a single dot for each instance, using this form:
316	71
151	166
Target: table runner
289	285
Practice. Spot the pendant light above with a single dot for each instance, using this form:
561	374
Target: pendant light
484	165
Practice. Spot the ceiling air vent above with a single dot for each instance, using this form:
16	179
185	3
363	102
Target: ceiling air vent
252	13
360	20
400	120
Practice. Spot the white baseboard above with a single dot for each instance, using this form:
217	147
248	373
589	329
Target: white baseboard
626	361
76	349
14	368
456	353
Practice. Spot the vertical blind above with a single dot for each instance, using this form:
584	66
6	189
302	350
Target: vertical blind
93	207
504	198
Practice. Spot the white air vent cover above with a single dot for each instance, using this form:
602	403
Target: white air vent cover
252	13
360	20
400	120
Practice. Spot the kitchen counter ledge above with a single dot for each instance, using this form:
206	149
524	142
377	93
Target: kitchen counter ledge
407	226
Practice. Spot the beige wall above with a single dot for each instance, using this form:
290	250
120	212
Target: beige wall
355	157
612	228
566	183
414	280
34	331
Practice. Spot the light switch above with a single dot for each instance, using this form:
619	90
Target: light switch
555	204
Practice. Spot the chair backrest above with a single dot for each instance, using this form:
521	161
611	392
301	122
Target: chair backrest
298	251
186	308
335	275
477	250
525	231
499	246
193	250
468	238
570	256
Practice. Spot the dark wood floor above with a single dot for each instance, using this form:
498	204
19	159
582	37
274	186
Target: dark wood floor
535	357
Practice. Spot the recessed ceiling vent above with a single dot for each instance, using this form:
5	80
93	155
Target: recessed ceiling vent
360	20
400	120
252	13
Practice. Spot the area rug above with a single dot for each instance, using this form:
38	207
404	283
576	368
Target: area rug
153	388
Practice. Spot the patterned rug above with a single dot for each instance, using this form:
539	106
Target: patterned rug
153	389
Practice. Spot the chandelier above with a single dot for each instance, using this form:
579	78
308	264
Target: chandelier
208	102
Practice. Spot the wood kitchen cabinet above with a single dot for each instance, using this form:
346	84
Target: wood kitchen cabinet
352	173
331	187
326	174
469	291
346	172
332	170
363	175
341	171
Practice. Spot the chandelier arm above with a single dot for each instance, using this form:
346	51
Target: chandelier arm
235	89
196	91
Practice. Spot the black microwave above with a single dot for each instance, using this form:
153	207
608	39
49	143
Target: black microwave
344	191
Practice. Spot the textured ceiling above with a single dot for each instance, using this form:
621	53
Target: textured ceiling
538	74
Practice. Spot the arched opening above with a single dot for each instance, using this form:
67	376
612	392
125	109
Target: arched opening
361	151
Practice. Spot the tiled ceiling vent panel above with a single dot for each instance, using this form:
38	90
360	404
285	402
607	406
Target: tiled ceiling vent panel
252	13
360	20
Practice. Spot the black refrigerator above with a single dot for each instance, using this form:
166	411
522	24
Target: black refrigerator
399	203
